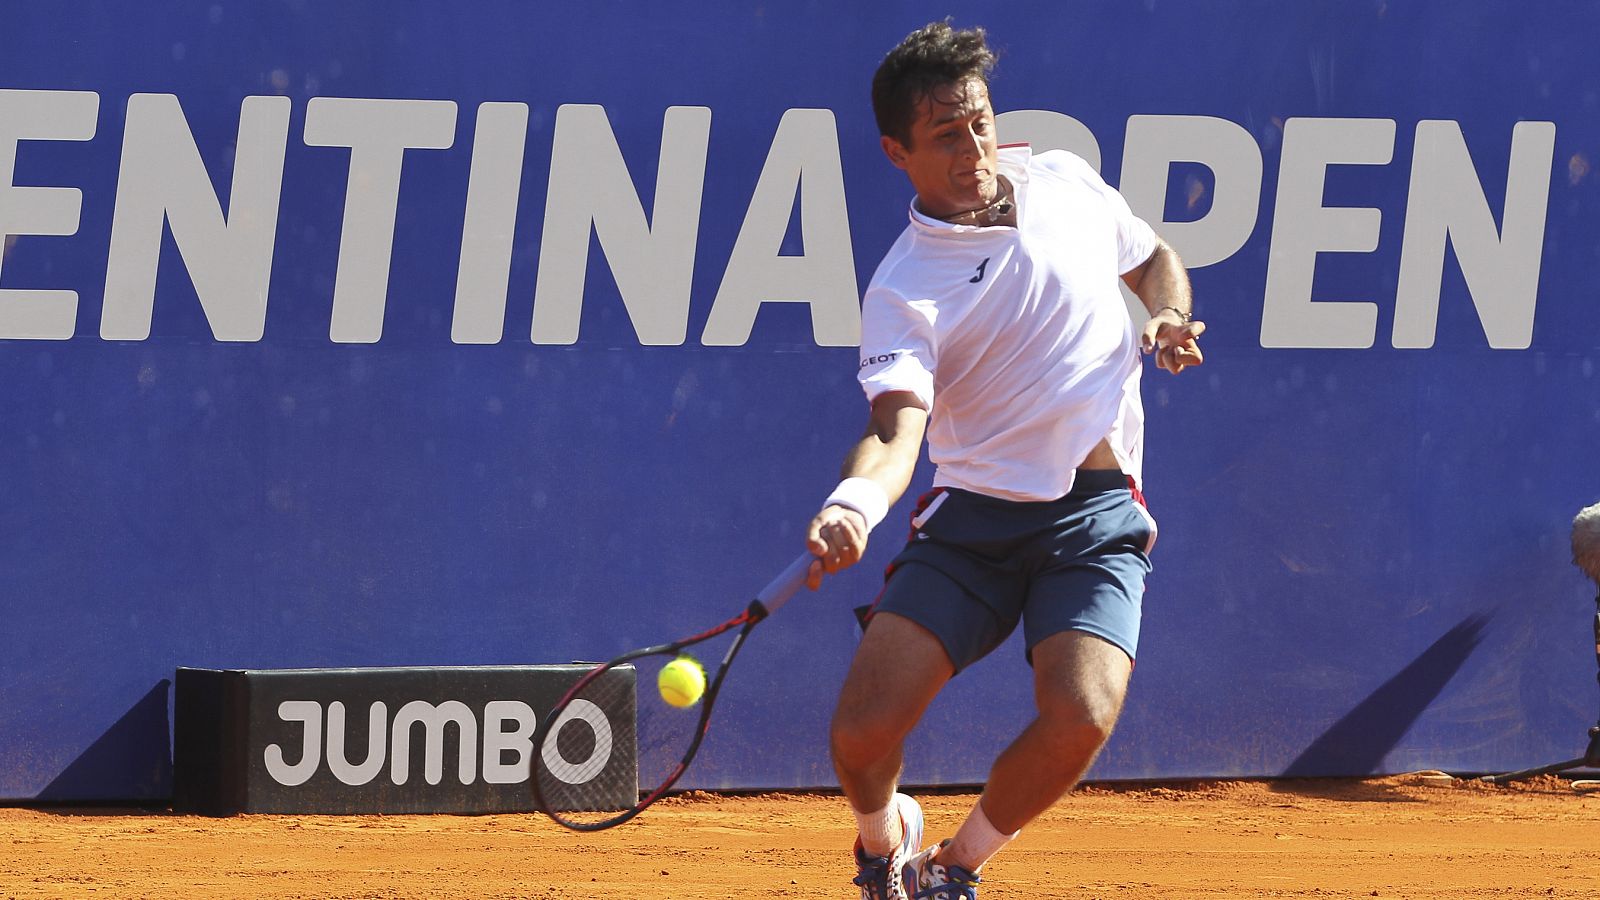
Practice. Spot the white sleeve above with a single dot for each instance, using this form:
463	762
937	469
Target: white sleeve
1136	240
897	352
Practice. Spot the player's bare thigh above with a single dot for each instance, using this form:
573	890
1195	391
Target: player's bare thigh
898	669
1080	679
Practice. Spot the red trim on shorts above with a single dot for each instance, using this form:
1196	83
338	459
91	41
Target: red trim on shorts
1138	495
864	614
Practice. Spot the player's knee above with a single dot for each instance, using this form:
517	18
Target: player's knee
1076	738
857	740
1079	725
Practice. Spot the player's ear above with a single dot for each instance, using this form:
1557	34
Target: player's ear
894	150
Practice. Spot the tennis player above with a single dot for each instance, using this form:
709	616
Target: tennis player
995	328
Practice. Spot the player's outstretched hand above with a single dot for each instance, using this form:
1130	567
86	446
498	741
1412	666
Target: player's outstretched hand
1174	341
837	537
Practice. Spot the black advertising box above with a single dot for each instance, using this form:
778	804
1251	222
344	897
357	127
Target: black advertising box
384	740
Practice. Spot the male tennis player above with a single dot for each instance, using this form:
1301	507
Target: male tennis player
994	325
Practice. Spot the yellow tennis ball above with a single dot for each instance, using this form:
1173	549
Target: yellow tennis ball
682	681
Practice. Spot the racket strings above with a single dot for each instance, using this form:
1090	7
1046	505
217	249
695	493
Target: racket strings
580	776
622	772
586	762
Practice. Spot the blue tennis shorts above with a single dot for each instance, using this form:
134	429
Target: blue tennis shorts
975	566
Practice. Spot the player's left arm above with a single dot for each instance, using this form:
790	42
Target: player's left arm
1162	284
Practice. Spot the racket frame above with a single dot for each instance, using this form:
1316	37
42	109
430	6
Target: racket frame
773	596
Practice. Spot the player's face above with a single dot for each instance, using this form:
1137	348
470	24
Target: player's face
953	151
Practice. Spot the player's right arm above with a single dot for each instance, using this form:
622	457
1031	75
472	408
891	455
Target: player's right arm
887	456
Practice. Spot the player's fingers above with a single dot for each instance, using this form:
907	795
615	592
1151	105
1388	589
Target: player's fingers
829	551
815	545
1194	329
814	574
850	547
852	537
1177	357
849	551
855	526
1185	355
1148	340
1165	359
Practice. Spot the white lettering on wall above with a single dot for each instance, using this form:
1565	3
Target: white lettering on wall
1156	142
433	720
378	132
579	771
508	727
652	262
483	277
377	728
497	741
804	157
163	181
228	247
1446	202
1302	227
309	714
40	116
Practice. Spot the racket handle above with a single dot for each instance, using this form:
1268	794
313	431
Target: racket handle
786	584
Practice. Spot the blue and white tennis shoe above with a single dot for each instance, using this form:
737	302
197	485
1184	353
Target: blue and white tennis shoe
928	880
884	877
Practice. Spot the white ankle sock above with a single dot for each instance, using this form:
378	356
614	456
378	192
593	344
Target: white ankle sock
975	842
881	830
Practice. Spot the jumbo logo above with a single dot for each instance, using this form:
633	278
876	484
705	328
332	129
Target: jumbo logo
506	726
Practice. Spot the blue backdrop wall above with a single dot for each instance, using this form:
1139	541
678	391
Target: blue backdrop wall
365	334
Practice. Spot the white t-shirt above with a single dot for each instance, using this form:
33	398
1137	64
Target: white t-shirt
1016	340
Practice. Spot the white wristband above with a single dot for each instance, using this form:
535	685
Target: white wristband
863	495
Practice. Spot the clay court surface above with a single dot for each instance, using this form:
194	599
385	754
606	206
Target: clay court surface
1393	837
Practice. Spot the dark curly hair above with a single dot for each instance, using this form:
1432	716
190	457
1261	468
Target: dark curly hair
931	57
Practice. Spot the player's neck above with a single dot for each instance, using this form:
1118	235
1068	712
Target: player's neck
999	211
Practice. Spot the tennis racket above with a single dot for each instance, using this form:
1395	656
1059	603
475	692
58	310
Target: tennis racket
584	774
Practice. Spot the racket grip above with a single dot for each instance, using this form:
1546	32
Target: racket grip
786	584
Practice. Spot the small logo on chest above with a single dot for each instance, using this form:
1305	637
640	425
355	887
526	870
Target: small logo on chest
981	266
